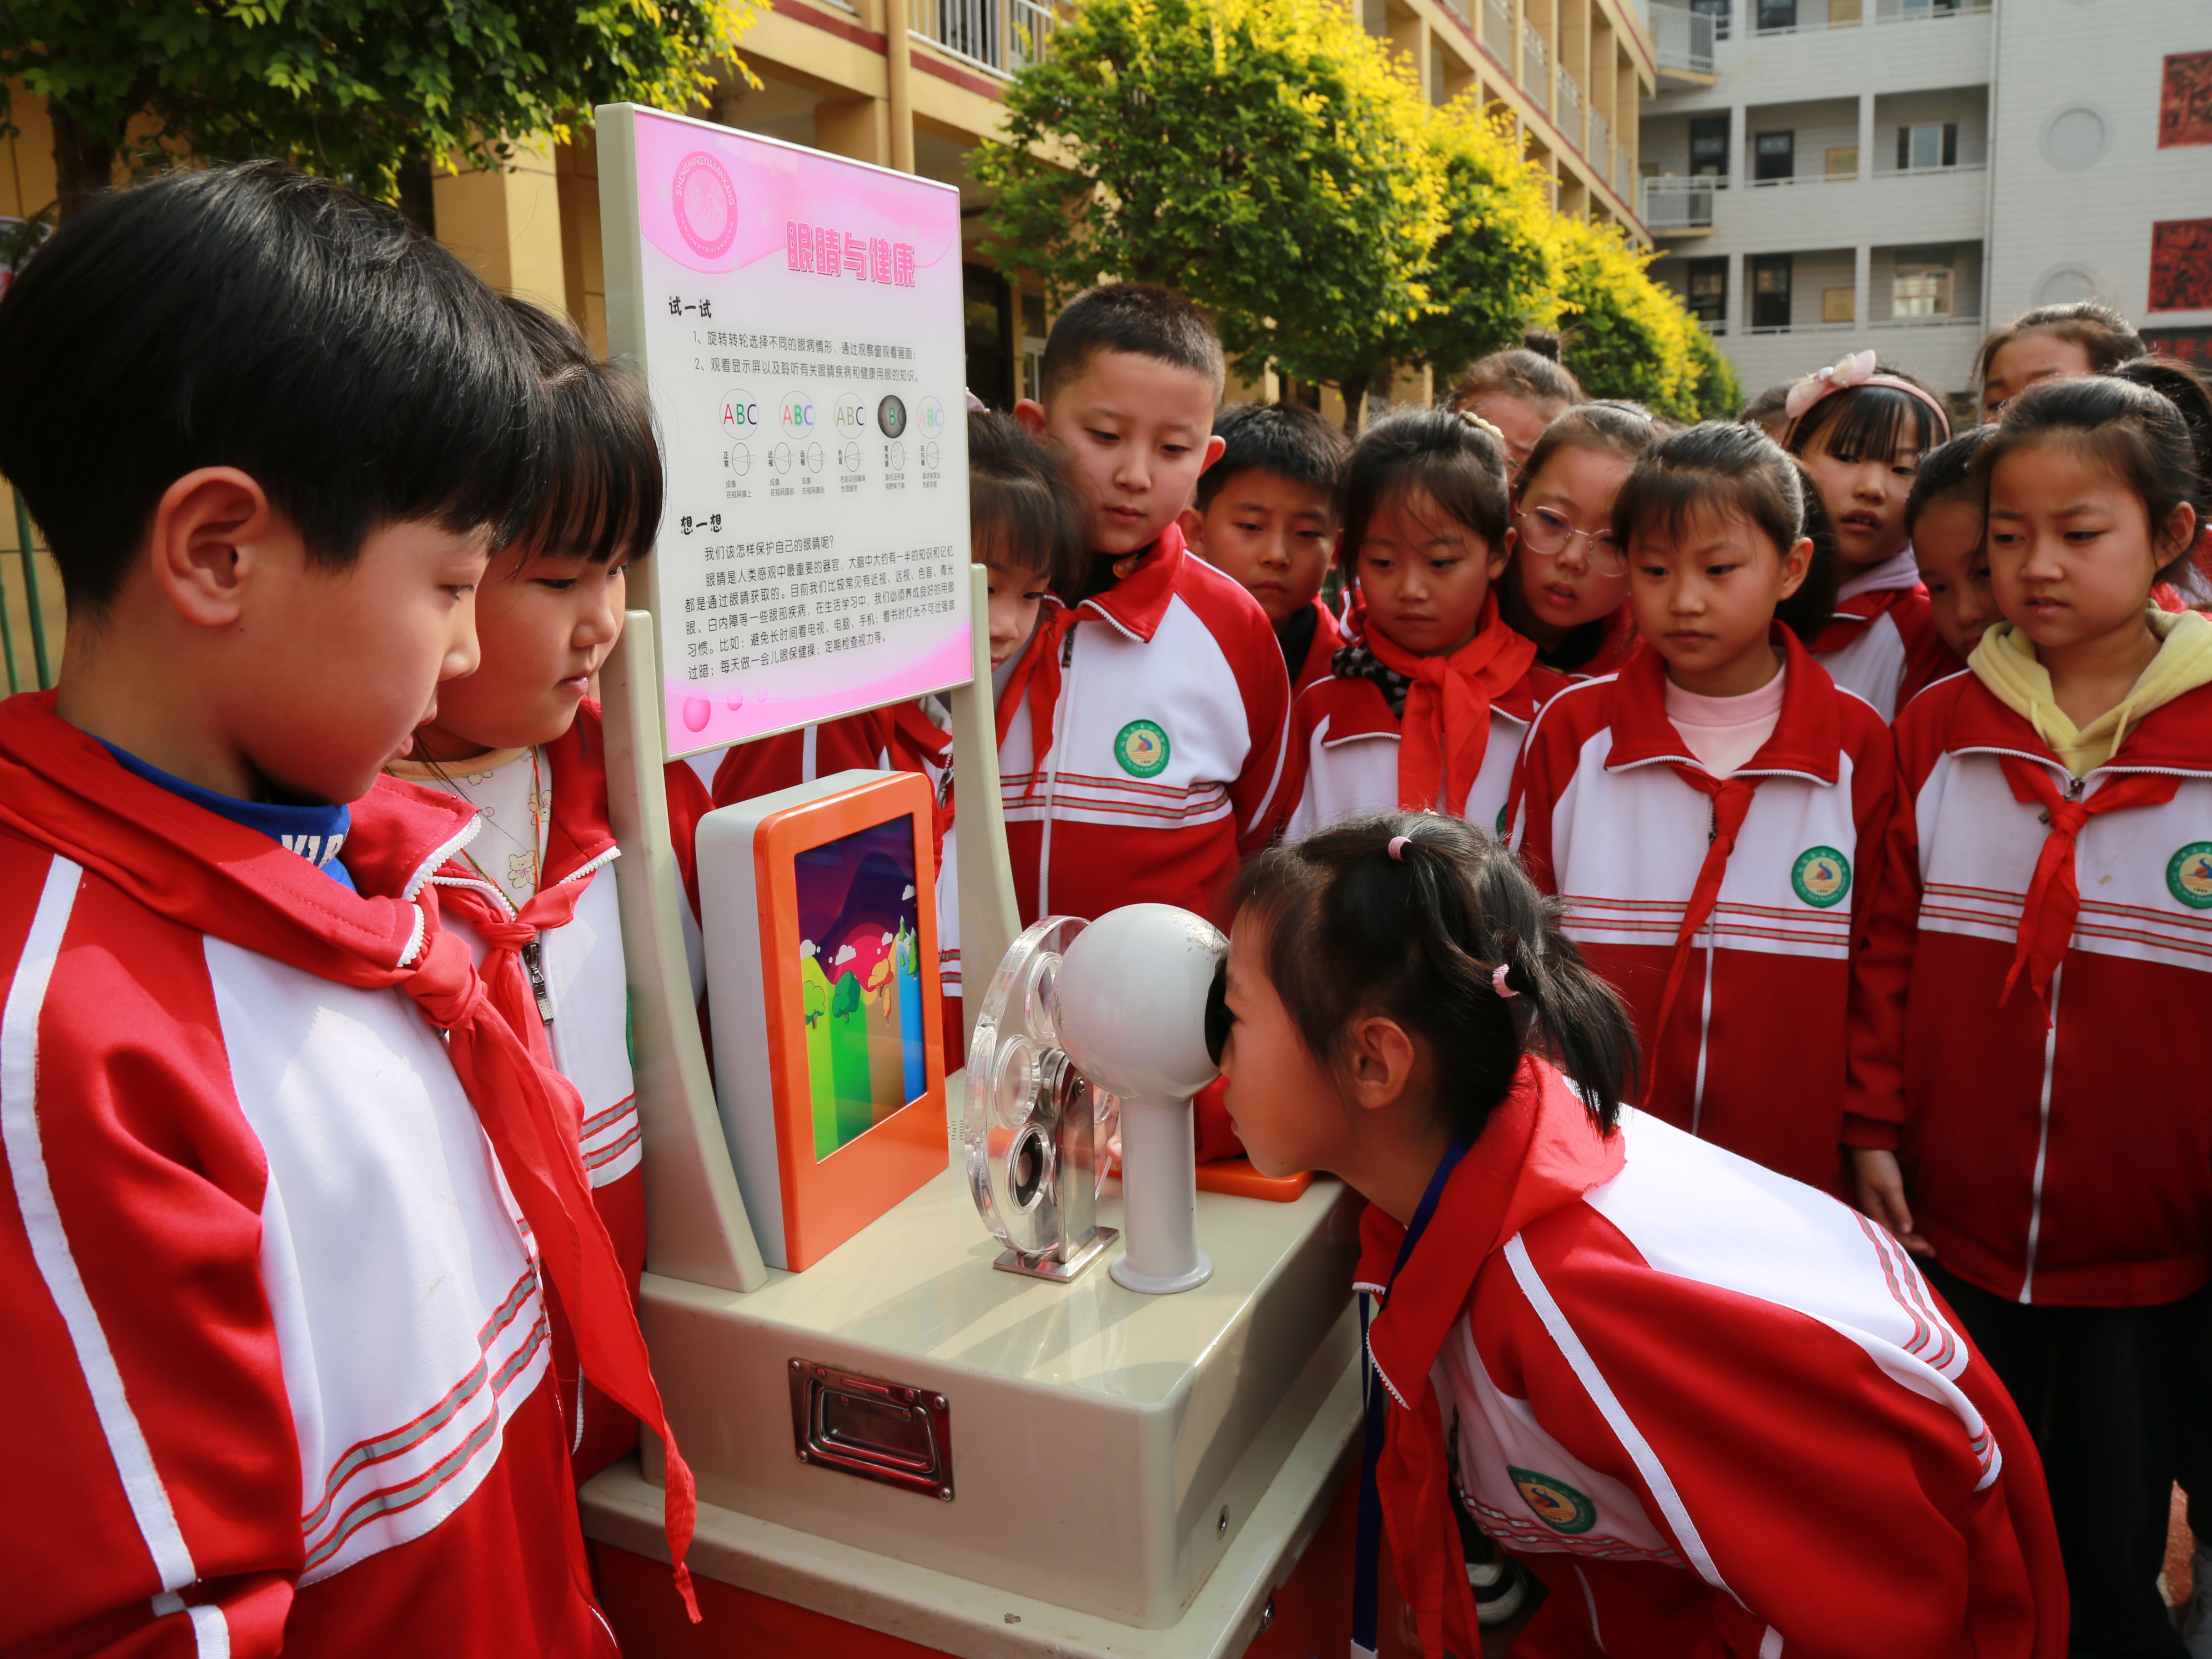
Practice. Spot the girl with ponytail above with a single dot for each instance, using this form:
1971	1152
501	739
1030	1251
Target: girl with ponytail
1713	1410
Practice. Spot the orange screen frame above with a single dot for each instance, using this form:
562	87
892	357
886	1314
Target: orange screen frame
825	1202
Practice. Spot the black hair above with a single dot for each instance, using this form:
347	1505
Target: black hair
1137	318
1808	613
1871	420
257	317
600	462
1351	930
1947	474
1457	465
1613	425
1733	470
2109	338
1769	412
1021	507
1288	440
1531	370
2150	425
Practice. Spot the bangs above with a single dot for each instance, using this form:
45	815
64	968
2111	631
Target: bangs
601	463
1869	421
1665	502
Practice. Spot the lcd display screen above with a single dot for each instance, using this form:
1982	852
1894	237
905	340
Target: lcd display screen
859	966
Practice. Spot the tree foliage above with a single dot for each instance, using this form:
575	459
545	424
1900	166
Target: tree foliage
353	88
1253	153
1276	162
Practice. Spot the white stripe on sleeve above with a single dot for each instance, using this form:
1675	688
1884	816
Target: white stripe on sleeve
49	1246
1616	1416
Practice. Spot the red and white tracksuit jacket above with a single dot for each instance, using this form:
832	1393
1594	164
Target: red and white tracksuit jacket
561	982
1744	895
272	1304
1718	1413
1345	745
1882	641
1144	742
2067	1162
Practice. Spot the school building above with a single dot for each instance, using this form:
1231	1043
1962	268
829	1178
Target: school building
1827	174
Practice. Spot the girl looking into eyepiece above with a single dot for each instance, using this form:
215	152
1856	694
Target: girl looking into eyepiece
1707	1405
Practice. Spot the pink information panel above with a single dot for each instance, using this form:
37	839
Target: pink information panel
796	317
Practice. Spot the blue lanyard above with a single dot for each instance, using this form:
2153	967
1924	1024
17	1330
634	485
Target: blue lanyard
1367	1560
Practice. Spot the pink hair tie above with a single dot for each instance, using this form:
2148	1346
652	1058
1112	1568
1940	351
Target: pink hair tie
1498	980
1398	847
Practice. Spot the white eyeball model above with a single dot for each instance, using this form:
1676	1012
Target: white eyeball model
1129	1006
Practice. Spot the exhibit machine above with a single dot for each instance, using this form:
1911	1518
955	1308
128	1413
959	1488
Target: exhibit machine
946	1383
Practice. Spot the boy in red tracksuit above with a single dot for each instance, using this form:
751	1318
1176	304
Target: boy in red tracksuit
1266	515
1145	745
286	1199
1712	814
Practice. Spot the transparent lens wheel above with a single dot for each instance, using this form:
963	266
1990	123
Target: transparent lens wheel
1009	1154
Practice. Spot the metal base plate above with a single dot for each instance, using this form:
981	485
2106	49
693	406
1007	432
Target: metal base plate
1061	1273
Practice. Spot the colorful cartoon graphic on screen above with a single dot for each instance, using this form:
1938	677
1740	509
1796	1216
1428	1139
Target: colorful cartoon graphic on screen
860	952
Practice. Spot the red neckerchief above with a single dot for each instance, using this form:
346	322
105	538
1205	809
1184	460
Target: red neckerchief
60	789
1538	1152
1804	744
579	842
2046	920
1446	726
1136	603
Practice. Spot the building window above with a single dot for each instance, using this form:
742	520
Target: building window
1708	281
1776	15
1719	10
1922	284
1773	155
1928	144
1844	161
1769	291
1709	147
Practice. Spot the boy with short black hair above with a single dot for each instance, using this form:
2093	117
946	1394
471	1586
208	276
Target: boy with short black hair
274	1241
1266	515
1148	742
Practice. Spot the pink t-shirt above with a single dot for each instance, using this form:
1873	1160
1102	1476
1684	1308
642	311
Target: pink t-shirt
1725	732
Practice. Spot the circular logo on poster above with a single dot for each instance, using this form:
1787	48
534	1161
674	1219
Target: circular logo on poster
890	415
852	414
1556	1503
706	205
932	418
1140	748
2188	875
796	414
1822	876
741	411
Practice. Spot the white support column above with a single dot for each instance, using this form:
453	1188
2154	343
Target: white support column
1862	278
1739	163
1866	141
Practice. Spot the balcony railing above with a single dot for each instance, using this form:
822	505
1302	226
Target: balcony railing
1003	36
1678	203
1535	67
1810	17
1497	29
1683	39
1623	169
1895	171
1569	115
1601	146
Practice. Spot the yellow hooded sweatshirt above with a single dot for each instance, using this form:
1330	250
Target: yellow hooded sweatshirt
2005	661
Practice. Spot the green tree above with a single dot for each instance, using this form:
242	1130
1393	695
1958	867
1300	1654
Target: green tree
1494	272
1269	158
1627	337
354	88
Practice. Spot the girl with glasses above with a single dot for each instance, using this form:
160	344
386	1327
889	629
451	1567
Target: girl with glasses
1566	587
